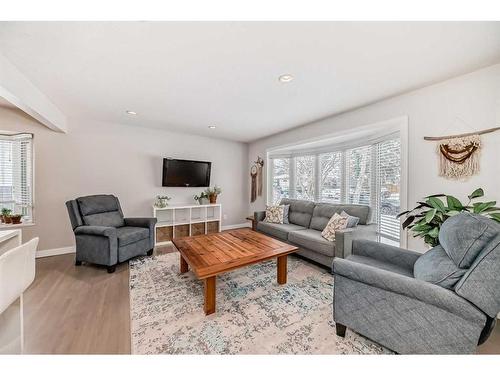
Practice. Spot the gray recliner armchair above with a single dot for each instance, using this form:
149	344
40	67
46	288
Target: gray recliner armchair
445	301
104	236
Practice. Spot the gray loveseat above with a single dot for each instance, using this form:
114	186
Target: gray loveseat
104	236
307	221
442	302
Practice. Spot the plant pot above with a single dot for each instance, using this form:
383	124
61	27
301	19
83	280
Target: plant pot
7	220
212	198
16	219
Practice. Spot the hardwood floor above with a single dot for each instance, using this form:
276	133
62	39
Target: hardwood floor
85	310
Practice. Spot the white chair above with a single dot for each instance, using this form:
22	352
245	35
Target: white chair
17	272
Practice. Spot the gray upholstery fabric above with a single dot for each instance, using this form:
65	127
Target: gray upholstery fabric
463	237
481	283
403	323
365	232
324	211
103	236
385	253
373	262
279	231
300	212
132	250
128	235
315	257
312	239
436	267
352	221
286	213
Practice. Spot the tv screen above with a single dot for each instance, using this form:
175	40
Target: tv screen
186	173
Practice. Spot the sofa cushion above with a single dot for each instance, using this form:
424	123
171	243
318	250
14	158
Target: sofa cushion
105	219
311	239
278	230
274	214
352	221
128	235
336	223
101	210
324	211
463	236
435	266
300	211
381	264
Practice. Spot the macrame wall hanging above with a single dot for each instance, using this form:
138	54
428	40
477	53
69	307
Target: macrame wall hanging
459	154
256	175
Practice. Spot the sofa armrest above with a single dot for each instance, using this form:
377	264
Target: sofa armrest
142	222
407	286
93	230
391	254
259	215
343	242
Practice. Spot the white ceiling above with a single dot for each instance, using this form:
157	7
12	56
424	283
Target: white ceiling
184	76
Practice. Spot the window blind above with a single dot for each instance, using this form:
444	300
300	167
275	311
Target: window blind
281	179
304	177
16	173
359	175
330	181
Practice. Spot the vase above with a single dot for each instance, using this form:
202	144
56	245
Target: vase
212	198
161	203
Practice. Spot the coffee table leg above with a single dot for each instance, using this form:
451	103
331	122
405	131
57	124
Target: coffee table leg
210	295
184	266
282	263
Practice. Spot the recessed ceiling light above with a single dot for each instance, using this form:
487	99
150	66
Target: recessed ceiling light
212	126
285	78
131	113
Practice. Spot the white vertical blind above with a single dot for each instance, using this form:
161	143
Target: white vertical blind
368	174
16	171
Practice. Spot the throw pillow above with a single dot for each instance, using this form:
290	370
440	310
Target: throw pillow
336	222
274	214
286	210
352	221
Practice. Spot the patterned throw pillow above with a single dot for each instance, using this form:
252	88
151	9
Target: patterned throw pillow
337	222
274	214
352	221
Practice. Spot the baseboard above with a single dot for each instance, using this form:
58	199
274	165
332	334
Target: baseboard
53	252
236	226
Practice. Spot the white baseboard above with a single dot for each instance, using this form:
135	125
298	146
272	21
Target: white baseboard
236	226
53	252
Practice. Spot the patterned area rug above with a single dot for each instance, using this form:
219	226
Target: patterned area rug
254	314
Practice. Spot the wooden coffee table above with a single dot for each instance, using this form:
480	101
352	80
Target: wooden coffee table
212	254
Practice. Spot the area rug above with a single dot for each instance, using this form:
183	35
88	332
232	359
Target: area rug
254	314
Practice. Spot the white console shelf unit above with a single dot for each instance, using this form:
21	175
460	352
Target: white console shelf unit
181	220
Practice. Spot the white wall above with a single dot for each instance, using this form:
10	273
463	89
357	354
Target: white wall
463	104
95	158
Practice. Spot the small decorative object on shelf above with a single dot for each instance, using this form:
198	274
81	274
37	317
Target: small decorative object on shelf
202	198
213	193
426	219
162	201
6	216
16	219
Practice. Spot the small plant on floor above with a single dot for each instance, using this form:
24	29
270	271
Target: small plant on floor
213	193
201	198
162	201
426	218
6	215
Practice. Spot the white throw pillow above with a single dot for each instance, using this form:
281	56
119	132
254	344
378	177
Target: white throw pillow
336	222
274	214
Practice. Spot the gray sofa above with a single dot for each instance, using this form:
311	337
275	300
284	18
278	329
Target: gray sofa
103	236
307	221
442	302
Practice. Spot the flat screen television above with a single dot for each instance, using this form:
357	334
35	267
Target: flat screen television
186	173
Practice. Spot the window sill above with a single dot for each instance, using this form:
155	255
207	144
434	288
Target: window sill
15	226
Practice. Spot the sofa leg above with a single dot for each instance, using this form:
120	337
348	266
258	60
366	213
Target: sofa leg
150	252
111	269
78	262
340	329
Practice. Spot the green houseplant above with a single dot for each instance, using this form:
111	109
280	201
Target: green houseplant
426	218
6	215
162	201
201	198
213	193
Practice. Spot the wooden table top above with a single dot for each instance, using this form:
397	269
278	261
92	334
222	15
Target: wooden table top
211	254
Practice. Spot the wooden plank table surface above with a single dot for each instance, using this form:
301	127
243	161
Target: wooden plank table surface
212	254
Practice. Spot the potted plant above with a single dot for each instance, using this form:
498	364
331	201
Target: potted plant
426	218
213	193
162	201
16	218
201	199
6	212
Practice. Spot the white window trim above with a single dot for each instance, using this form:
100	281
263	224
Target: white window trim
385	130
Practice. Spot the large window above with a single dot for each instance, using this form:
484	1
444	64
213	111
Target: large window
16	171
369	174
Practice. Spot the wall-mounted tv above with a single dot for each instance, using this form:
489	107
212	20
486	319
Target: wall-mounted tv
186	173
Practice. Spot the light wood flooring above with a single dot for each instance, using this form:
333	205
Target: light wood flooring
85	310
